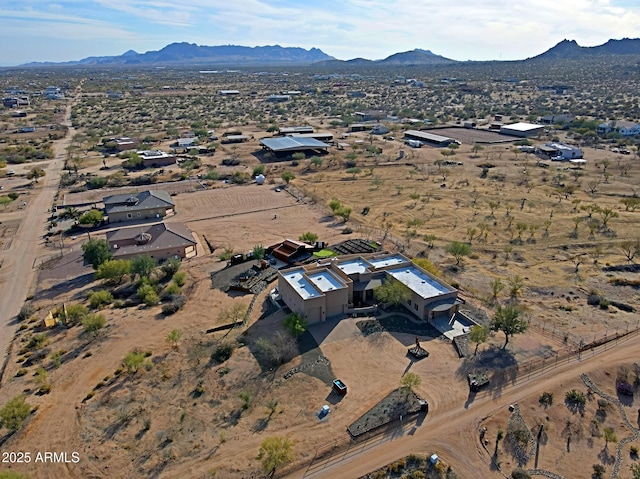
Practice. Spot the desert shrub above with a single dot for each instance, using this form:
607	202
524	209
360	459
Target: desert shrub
230	162
92	323
347	230
76	312
148	295
14	413
172	289
223	352
21	372
519	473
38	341
598	471
604	304
99	299
26	311
174	306
546	399
634	451
179	278
576	397
171	266
133	361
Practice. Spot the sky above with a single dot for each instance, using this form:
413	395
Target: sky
39	30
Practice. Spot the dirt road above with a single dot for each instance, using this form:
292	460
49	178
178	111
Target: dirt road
453	432
17	272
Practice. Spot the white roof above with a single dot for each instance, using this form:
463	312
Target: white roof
301	284
325	281
418	282
387	261
521	126
353	266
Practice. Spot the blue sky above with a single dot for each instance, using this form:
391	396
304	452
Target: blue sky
38	30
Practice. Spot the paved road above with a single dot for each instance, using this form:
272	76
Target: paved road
452	432
17	275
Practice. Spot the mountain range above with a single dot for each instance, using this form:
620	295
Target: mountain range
192	54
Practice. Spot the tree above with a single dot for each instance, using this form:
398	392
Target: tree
392	291
295	324
635	471
427	265
133	361
287	176
142	266
458	249
36	173
113	270
75	312
516	283
92	323
519	473
91	217
410	381
508	320
258	252
478	334
148	294
235	314
609	437
344	213
308	237
174	337
630	249
96	252
14	413
496	287
274	453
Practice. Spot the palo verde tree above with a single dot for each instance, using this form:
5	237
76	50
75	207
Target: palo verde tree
14	414
509	320
458	249
142	266
295	324
478	334
274	453
91	218
392	291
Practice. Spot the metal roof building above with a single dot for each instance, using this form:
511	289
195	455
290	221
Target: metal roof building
429	138
521	129
287	144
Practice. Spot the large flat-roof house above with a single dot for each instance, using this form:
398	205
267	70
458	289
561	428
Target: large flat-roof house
521	129
156	158
160	241
125	143
560	151
140	206
336	286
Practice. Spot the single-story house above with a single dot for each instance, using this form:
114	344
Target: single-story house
156	158
625	128
560	151
140	206
339	285
125	143
429	138
160	241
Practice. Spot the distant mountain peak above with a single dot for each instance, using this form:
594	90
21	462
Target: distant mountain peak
569	49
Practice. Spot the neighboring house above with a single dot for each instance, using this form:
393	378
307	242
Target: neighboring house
160	241
553	119
141	206
370	115
187	142
156	158
125	143
625	128
379	130
560	151
337	286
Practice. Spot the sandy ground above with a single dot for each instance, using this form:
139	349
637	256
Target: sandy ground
18	259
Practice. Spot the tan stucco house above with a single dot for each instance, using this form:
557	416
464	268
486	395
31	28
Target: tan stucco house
140	206
340	285
160	241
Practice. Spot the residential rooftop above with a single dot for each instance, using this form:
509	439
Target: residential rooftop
301	284
325	281
418	282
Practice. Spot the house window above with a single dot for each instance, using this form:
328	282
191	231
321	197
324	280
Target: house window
409	301
415	306
129	215
138	213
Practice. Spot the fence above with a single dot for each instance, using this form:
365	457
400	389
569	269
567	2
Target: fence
526	370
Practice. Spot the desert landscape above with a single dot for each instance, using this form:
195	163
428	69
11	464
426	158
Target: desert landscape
169	369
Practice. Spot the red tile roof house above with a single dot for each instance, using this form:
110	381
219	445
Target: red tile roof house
161	241
140	206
